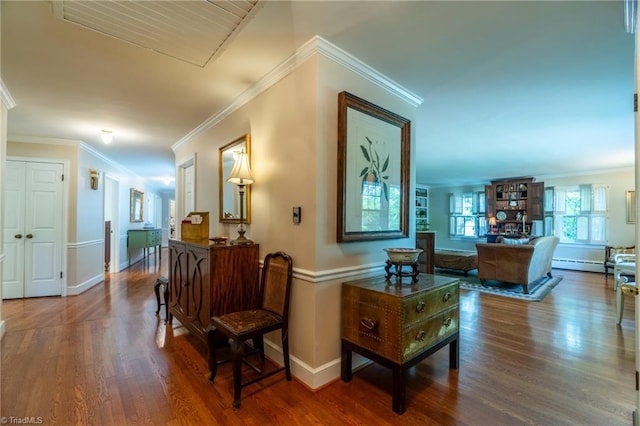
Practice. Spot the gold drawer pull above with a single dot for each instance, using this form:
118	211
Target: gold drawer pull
420	307
368	323
446	297
420	336
447	322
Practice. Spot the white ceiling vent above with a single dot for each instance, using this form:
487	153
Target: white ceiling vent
191	31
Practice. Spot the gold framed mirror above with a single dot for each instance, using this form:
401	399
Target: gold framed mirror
228	196
137	201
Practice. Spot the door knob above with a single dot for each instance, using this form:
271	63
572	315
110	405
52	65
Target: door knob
29	235
18	236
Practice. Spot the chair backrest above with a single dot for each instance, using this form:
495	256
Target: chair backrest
275	286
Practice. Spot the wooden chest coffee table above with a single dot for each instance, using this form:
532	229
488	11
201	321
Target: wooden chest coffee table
398	326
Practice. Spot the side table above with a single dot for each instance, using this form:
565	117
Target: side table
398	326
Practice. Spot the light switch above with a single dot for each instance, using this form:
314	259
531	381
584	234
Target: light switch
297	214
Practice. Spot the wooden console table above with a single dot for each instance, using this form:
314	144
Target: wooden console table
144	239
398	326
208	279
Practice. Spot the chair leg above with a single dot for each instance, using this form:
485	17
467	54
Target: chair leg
619	304
236	361
258	343
213	356
166	303
285	353
156	288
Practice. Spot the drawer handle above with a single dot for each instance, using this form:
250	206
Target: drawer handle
420	307
446	297
447	322
368	323
420	336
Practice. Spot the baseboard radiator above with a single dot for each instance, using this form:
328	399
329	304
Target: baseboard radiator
579	265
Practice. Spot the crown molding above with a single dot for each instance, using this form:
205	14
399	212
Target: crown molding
111	162
315	46
43	140
6	97
341	57
71	142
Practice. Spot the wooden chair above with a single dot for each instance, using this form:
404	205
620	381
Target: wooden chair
273	314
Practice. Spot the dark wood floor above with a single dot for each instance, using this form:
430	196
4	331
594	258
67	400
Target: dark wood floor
105	358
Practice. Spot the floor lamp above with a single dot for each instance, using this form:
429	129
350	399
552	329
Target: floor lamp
241	175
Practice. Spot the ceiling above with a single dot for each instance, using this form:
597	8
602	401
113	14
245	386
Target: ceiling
510	88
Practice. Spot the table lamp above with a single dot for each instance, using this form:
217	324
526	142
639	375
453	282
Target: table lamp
241	176
492	224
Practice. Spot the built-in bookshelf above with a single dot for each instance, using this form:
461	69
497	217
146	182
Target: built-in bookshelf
422	209
514	204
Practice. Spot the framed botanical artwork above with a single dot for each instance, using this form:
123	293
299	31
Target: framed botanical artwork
373	171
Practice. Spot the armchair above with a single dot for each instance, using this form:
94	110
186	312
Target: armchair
609	255
624	265
624	286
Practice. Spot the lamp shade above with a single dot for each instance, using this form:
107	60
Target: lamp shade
241	172
492	221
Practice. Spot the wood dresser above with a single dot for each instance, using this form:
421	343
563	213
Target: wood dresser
398	326
210	279
427	242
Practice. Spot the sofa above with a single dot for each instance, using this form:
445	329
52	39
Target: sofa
521	262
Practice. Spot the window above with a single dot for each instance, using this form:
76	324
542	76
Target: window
580	214
376	211
466	215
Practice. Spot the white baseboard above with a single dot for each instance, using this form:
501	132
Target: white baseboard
314	378
82	287
578	265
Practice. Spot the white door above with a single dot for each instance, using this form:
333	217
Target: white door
33	229
13	267
189	189
111	203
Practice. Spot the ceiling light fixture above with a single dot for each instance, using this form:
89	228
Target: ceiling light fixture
107	136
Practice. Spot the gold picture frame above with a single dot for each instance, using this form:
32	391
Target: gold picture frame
228	195
631	206
137	204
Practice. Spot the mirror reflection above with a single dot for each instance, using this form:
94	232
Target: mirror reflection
229	198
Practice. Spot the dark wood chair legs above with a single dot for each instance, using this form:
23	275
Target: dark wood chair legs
164	283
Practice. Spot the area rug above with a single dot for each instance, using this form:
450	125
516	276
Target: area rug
537	290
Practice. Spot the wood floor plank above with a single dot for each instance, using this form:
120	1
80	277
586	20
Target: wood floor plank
105	358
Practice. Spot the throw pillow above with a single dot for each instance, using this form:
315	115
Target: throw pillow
516	241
